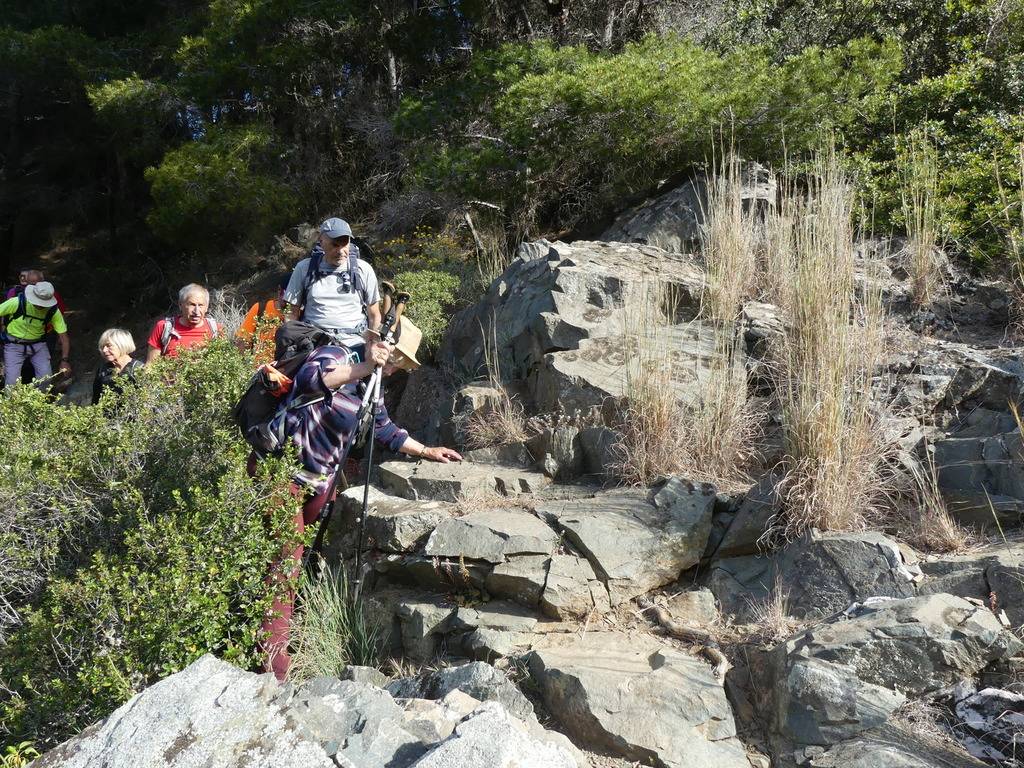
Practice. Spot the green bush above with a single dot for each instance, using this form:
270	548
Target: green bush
150	542
566	133
216	188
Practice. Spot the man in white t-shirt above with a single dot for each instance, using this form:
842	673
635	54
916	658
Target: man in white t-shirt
334	289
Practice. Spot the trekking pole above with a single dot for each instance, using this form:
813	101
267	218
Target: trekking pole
394	307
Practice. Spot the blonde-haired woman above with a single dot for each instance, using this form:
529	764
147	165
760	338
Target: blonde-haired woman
116	346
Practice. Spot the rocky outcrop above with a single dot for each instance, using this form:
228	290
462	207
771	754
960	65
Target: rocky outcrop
215	715
636	541
817	575
673	220
846	676
554	295
639	698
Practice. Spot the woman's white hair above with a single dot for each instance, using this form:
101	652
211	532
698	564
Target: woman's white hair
120	339
191	288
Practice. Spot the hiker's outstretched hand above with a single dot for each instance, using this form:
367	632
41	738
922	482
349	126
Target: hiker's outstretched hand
441	454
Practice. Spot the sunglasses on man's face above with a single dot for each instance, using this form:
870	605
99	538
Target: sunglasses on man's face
339	242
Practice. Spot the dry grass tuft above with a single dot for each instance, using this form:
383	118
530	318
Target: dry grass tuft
729	240
708	439
503	420
771	617
920	171
831	347
928	525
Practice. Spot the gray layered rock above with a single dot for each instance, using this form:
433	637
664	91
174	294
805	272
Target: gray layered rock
994	574
638	698
674	220
394	524
554	295
818	575
841	678
214	715
492	535
520	578
585	377
477	679
458	480
750	521
635	543
982	477
572	589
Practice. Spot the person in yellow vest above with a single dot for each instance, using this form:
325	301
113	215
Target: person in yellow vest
28	316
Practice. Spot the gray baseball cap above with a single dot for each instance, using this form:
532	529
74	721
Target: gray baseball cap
335	228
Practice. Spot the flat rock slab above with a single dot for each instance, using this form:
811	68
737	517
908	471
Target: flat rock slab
393	523
493	535
457	481
636	697
636	542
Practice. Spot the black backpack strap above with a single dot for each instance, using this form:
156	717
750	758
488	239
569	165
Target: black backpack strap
22	311
316	257
294	405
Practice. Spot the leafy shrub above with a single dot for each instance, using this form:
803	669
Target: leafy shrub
155	542
216	187
138	114
566	133
435	270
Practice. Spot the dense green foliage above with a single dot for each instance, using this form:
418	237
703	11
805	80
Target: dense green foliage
253	114
566	133
134	541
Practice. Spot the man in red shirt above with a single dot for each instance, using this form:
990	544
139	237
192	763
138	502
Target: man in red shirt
191	328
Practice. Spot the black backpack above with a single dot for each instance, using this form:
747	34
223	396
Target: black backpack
268	389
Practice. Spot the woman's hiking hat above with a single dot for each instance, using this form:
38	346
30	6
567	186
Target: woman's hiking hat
409	337
40	294
335	228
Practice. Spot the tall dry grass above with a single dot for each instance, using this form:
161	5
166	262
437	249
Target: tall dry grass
503	419
729	242
832	344
706	438
927	524
919	168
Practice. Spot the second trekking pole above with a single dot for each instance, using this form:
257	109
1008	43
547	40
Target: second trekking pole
392	316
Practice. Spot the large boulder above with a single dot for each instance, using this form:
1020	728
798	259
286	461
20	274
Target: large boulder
634	540
492	535
554	295
217	716
674	219
639	698
587	376
817	575
836	680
